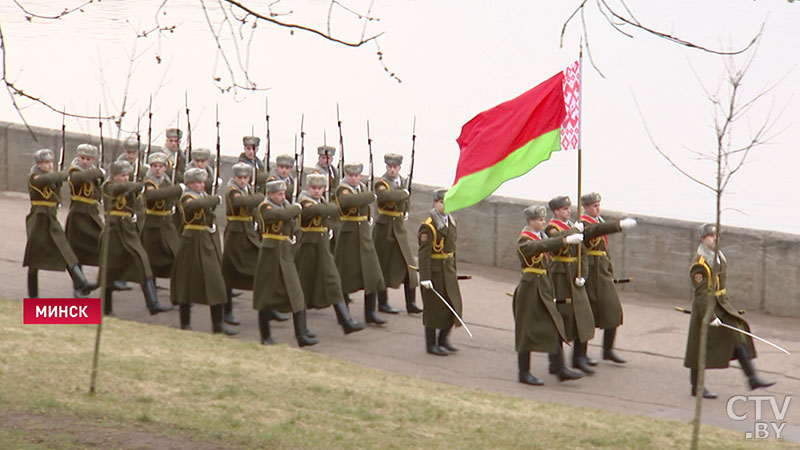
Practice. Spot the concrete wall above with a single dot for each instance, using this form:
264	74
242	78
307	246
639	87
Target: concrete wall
764	266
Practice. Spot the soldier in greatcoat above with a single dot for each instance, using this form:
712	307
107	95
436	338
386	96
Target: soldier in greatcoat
201	159
197	274
284	166
84	223
354	253
126	259
159	235
277	284
606	307
242	242
538	324
570	293
47	247
391	238
130	153
325	166
438	270
322	286
172	147
250	157
709	279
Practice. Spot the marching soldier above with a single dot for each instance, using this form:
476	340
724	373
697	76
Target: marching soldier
84	224
130	153
723	344
159	235
277	284
250	157
538	325
197	274
325	165
47	247
571	298
200	160
438	270
354	253
606	307
284	164
322	286
172	147
391	238
241	239
127	259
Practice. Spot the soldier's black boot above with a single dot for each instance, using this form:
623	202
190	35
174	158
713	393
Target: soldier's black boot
300	331
151	299
108	302
370	315
564	373
263	327
608	346
430	343
80	284
706	393
277	316
218	324
185	313
747	366
444	342
383	303
411	299
229	317
343	316
33	283
525	376
552	358
579	358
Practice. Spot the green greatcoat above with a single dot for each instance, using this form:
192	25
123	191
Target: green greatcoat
47	247
333	181
355	254
390	236
159	236
437	262
573	303
139	206
721	341
84	224
538	325
241	239
277	284
319	277
606	307
197	274
127	259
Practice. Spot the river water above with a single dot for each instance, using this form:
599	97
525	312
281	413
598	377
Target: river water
455	59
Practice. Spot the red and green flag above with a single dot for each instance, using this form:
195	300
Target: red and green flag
512	138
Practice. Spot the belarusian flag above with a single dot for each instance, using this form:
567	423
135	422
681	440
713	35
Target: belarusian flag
512	138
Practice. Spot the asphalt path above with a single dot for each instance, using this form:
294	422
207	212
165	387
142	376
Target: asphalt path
653	383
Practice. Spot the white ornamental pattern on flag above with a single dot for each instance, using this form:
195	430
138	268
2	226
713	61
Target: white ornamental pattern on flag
571	127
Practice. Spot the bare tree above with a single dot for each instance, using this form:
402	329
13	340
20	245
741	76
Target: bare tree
731	106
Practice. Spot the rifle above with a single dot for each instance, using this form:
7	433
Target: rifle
138	156
267	112
371	171
299	163
328	168
149	127
413	150
341	144
216	169
102	147
188	128
63	141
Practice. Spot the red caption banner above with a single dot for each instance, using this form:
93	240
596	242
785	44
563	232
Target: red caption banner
56	311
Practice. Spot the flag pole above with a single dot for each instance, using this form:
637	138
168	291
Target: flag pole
580	152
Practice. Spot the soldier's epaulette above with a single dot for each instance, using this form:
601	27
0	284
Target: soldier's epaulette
383	185
529	235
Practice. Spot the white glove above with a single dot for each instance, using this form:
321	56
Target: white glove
575	238
716	322
183	186
103	171
426	284
627	223
219	199
579	226
220	181
580	281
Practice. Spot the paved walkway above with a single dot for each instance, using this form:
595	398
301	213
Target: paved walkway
653	382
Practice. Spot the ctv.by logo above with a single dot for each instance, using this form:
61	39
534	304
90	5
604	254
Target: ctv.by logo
763	428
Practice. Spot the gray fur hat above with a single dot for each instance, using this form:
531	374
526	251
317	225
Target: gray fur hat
195	174
203	154
285	160
353	168
251	141
276	186
316	180
393	159
559	202
535	212
590	199
123	166
322	149
131	145
158	158
43	155
439	194
706	229
87	150
174	133
241	169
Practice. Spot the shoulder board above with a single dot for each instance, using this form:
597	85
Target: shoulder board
529	235
558	224
589	219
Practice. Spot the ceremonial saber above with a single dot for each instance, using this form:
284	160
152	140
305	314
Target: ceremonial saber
460	277
451	309
718	322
